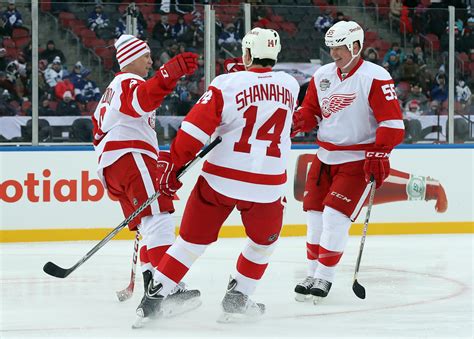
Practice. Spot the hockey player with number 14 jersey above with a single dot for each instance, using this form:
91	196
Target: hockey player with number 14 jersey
356	108
252	111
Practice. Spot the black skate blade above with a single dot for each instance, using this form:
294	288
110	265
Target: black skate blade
55	271
358	289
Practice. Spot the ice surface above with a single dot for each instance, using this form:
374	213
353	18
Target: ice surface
417	286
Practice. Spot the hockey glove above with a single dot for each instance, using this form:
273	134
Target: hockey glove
168	183
182	64
301	123
377	164
234	65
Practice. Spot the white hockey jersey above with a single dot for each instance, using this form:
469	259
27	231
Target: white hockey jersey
252	112
124	120
354	113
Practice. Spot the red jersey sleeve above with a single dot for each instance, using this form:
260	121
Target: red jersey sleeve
140	97
310	110
384	103
196	129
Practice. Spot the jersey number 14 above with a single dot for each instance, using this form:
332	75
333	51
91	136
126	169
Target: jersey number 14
270	130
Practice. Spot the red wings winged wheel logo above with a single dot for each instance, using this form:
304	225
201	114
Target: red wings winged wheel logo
335	103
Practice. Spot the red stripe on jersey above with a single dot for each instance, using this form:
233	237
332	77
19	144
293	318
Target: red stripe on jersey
172	268
249	268
388	137
332	147
383	101
312	251
310	108
127	96
244	176
329	258
137	144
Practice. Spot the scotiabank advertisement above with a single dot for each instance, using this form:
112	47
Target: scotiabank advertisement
429	190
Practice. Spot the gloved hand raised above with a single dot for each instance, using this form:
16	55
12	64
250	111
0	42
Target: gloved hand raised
168	183
377	163
182	64
301	123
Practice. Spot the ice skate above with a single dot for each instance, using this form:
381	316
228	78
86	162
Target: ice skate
238	307
320	290
150	306
302	289
181	300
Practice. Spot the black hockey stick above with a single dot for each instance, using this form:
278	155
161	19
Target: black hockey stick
358	289
126	293
59	272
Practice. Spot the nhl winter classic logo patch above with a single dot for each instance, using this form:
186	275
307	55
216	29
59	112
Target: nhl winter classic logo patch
324	84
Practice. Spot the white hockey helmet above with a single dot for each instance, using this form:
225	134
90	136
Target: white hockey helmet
345	33
263	43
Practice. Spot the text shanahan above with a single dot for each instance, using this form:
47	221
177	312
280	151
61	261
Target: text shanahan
264	92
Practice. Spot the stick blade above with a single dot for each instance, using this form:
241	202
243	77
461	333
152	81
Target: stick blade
124	294
55	271
358	289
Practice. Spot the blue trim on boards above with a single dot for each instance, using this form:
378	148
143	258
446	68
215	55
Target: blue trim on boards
167	147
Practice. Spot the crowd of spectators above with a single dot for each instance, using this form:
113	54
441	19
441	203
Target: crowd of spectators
67	89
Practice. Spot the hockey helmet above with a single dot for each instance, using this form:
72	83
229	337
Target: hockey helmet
345	33
263	43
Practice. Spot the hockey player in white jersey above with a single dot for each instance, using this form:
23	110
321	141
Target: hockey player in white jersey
356	108
126	144
252	111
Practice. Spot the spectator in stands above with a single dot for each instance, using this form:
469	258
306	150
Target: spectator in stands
339	17
409	69
52	52
162	30
466	43
433	108
4	30
395	48
179	29
416	93
28	52
194	37
76	74
99	23
62	87
444	41
87	90
240	25
260	18
121	27
411	121
67	107
425	78
229	39
396	8
6	107
3	59
371	55
419	22
170	51
418	55
394	65
12	18
45	109
463	93
440	91
13	82
55	73
324	21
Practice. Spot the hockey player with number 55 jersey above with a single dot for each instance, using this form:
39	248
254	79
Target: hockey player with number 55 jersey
252	111
356	108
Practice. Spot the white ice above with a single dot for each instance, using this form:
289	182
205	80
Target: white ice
417	287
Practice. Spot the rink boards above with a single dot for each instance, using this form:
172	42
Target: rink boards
53	193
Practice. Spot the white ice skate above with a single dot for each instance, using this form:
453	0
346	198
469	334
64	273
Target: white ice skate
302	290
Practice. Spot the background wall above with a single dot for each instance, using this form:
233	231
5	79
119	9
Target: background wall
56	195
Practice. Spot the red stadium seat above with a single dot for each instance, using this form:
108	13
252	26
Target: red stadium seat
20	33
53	105
9	43
22	42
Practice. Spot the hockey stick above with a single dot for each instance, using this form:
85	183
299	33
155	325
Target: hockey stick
358	289
59	272
128	291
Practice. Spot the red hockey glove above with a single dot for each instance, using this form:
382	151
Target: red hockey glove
182	64
168	183
377	164
301	124
234	65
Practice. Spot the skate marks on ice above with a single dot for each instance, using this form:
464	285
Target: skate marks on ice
414	294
